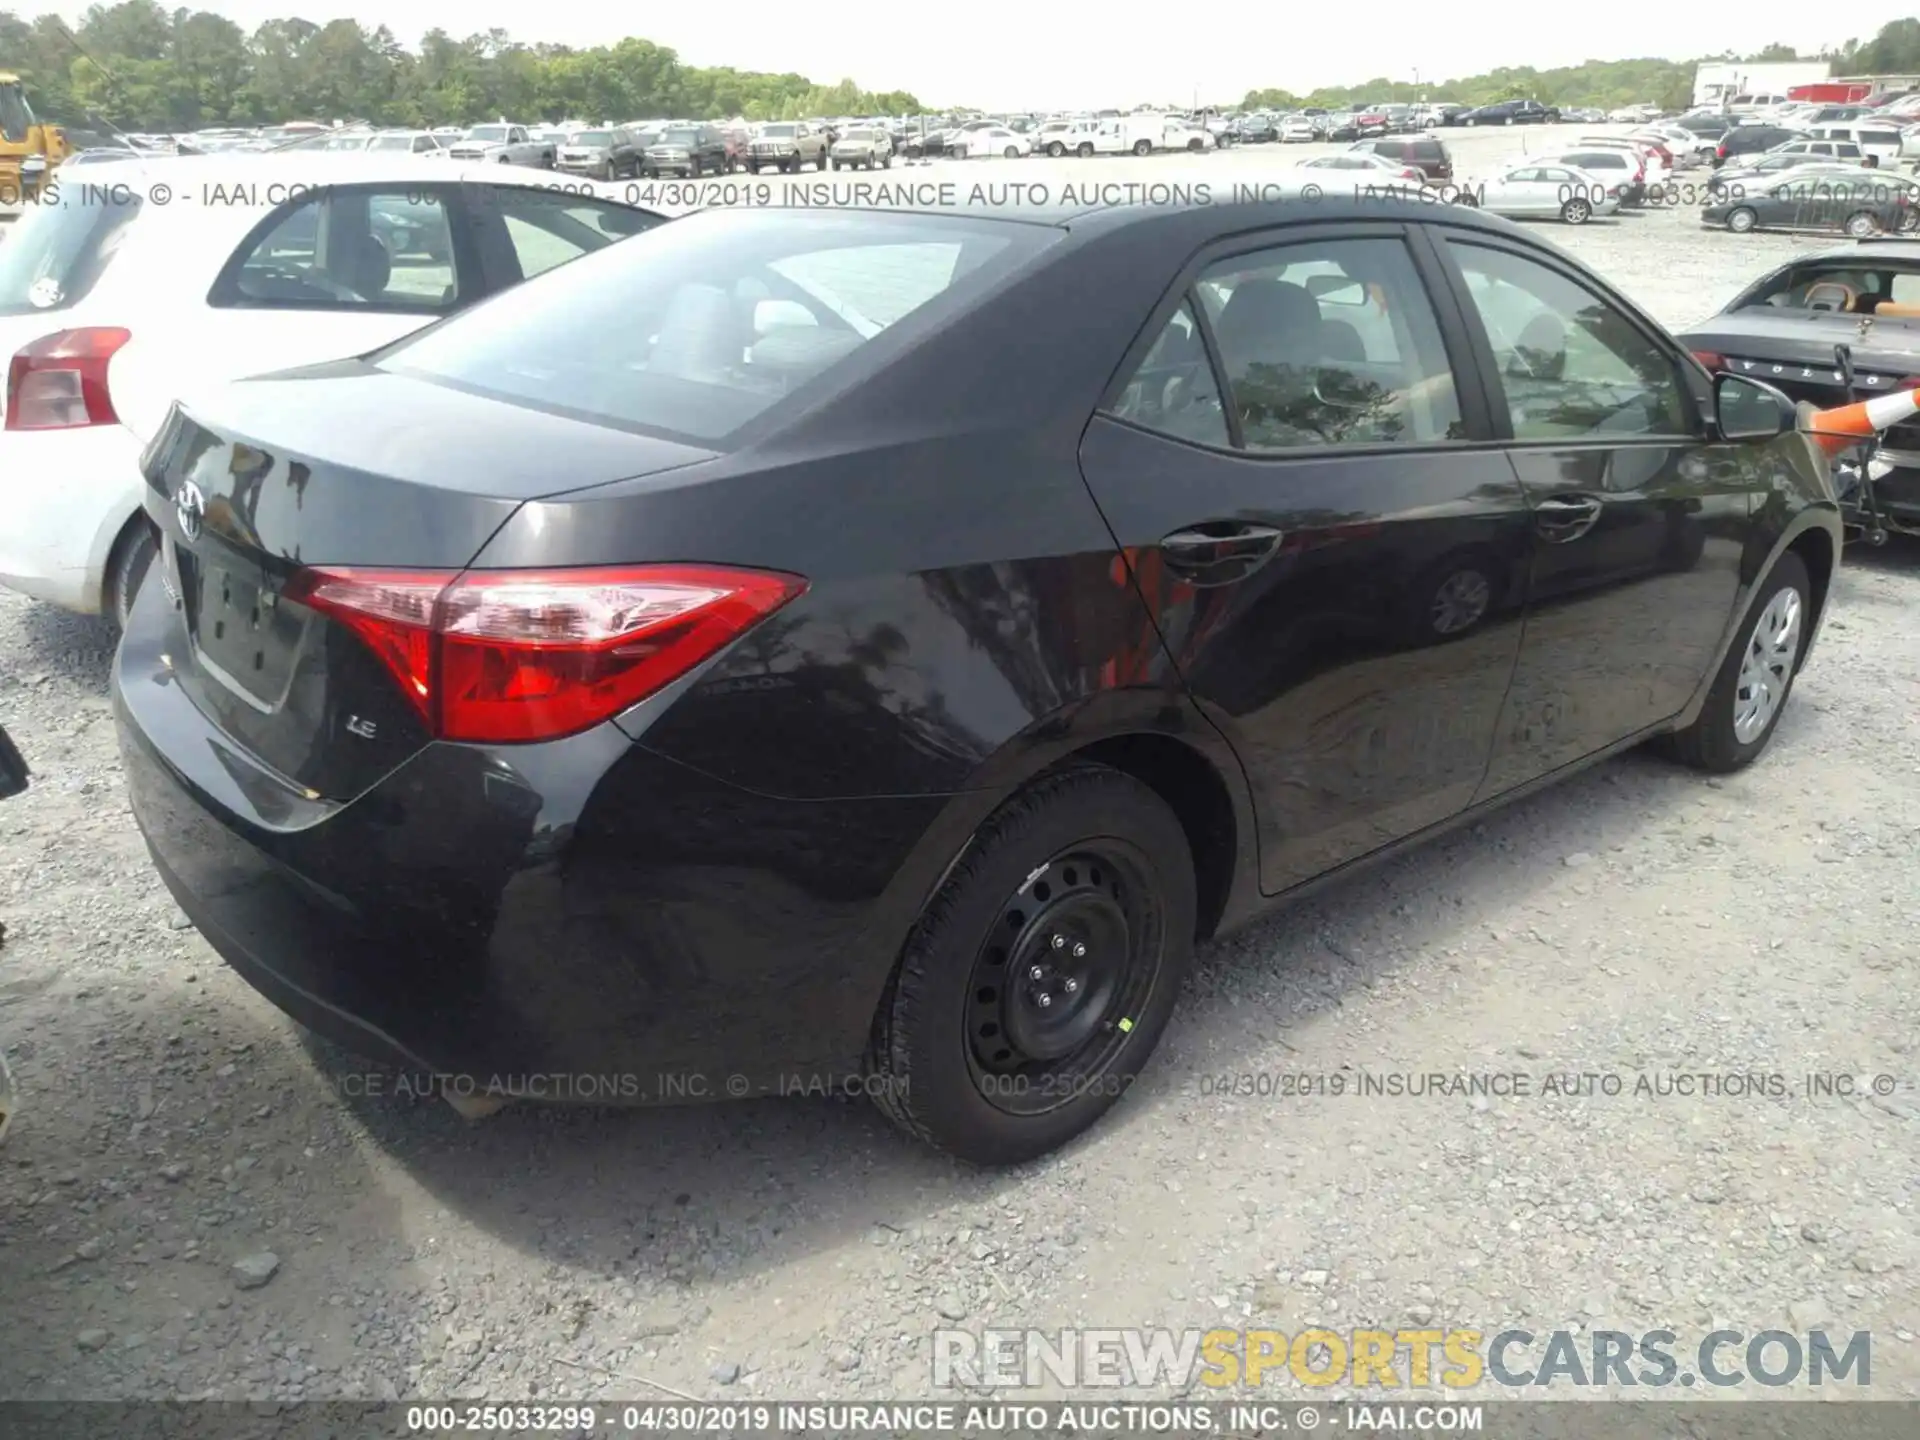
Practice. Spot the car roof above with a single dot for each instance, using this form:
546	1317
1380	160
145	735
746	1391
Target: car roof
1878	252
189	177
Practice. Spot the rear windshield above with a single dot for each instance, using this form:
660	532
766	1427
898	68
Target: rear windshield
724	314
681	137
56	252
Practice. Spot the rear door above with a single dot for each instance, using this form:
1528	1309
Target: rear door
1289	462
1639	520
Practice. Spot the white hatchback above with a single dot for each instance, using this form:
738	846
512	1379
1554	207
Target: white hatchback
139	279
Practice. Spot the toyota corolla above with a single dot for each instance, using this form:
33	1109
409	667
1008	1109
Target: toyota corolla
894	643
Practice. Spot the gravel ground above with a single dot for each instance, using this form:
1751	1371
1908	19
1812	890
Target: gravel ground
200	1200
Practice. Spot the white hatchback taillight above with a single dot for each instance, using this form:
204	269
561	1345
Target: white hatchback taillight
59	382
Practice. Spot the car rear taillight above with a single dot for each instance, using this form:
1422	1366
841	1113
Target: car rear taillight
1712	359
510	656
59	382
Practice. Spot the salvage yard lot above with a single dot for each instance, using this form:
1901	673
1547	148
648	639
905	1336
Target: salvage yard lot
1639	921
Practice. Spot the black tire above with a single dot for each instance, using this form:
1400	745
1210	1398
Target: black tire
937	1016
1056	149
132	557
1742	219
1012	152
1710	743
886	162
1577	211
1084	149
1143	147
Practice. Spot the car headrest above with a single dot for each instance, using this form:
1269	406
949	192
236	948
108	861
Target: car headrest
361	263
1271	321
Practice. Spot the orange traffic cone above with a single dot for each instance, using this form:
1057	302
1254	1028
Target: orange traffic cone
1847	425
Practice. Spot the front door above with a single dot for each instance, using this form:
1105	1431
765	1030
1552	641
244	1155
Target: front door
1336	570
1639	523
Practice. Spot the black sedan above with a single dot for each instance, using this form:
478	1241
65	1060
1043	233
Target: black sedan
873	665
1511	112
1787	327
1859	202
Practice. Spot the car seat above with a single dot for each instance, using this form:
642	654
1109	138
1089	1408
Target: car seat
361	264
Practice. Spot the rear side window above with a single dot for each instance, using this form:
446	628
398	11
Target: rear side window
722	315
1330	342
58	251
547	228
367	248
1174	390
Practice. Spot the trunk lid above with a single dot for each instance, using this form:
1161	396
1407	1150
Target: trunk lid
259	479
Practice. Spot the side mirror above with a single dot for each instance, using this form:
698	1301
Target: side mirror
13	770
1748	410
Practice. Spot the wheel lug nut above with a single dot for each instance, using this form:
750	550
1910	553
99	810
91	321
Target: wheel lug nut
1073	987
1036	973
1079	950
1043	999
1059	942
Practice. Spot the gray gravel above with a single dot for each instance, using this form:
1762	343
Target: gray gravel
199	1200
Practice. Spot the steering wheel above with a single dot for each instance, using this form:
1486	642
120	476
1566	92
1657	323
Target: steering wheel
1831	295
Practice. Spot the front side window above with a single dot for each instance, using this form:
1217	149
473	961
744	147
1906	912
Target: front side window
360	249
1330	342
1571	364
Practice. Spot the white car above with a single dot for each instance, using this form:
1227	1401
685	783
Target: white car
1361	167
1185	135
1543	190
990	140
1296	129
158	275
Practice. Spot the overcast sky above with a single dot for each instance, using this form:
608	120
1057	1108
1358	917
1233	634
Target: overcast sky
1088	55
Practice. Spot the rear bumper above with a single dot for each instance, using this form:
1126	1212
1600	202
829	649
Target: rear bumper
582	919
66	495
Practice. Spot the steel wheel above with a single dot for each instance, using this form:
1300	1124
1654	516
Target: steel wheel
1742	220
1767	666
1863	226
1058	980
1461	602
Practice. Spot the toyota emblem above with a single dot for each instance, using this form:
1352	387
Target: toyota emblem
190	505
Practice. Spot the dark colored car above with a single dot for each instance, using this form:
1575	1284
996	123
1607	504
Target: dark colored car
1785	328
766	691
1751	140
1861	203
688	150
1367	123
1255	130
1428	156
1511	112
13	769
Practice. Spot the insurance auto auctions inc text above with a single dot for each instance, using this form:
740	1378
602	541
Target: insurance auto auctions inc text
1418	1359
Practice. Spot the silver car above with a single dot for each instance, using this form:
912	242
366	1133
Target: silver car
1545	191
862	148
